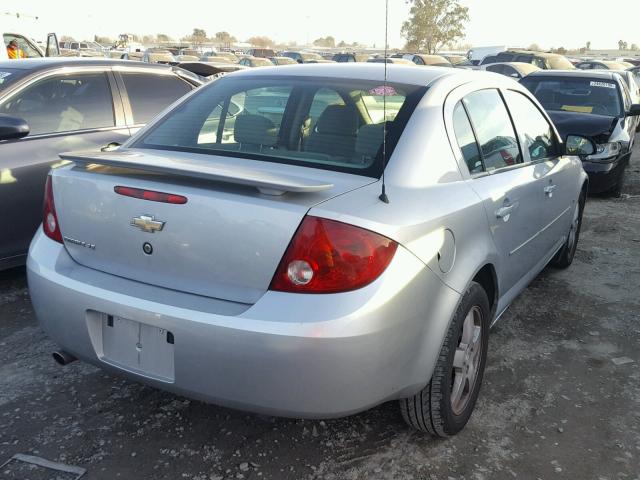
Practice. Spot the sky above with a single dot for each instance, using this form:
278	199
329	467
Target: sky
515	23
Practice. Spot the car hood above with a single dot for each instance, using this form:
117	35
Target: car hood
597	127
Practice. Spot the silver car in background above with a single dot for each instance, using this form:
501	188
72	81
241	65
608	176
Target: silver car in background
242	250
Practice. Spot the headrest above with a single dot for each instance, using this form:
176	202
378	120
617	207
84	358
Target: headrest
369	139
255	130
338	120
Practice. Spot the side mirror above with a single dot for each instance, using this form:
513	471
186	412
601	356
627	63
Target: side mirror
12	128
579	145
634	111
111	147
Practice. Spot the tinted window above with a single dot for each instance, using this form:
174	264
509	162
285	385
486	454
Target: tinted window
573	94
63	104
536	134
493	127
466	139
149	94
539	62
342	131
495	68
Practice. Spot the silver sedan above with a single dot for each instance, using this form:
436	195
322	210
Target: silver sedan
246	249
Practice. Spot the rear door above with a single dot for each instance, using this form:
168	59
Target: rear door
65	111
509	188
146	93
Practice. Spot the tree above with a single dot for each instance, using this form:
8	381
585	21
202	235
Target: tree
163	37
327	41
634	47
148	39
261	42
342	44
103	40
561	51
66	38
622	45
224	38
588	45
198	37
535	47
434	23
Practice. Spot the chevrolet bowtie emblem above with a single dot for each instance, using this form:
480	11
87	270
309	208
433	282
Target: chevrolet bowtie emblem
147	223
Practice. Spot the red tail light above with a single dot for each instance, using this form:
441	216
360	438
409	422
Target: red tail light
150	195
326	256
507	157
50	223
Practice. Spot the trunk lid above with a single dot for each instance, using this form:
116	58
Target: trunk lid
225	242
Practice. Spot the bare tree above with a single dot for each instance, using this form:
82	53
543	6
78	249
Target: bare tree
261	42
433	24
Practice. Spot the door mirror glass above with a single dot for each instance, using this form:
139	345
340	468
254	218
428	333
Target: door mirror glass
579	145
53	48
12	128
634	111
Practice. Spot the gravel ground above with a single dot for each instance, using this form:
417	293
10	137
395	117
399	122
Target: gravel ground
561	395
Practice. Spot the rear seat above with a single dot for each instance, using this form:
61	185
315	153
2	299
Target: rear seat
255	133
335	132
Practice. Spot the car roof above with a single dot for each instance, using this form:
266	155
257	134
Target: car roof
406	74
603	74
533	52
37	64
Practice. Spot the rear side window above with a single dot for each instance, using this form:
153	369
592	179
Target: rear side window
497	68
493	128
149	94
335	124
64	104
466	139
536	135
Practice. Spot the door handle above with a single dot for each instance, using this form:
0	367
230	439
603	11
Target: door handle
505	212
549	189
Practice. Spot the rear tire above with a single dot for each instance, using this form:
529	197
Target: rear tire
444	406
564	257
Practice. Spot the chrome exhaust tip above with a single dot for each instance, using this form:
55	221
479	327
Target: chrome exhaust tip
63	358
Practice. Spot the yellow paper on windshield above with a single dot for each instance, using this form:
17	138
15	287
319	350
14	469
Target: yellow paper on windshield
576	108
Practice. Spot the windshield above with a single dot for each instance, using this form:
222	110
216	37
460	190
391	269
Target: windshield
9	76
583	95
333	124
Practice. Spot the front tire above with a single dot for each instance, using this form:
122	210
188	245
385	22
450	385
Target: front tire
564	257
444	406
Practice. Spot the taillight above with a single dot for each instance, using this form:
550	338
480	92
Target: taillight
326	256
150	195
50	223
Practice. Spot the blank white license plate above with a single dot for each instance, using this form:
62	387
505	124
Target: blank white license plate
137	347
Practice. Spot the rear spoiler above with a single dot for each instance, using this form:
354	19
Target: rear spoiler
268	183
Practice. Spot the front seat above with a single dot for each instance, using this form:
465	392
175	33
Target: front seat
335	132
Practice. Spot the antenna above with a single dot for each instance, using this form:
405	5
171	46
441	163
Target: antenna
383	196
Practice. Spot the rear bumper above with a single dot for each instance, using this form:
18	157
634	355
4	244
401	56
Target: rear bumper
604	176
290	355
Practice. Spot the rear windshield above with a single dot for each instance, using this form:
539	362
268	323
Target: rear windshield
583	95
334	124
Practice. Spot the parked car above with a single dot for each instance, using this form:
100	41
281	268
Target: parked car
158	55
214	59
28	47
350	57
478	54
283	61
458	61
230	56
302	57
261	52
631	82
636	73
602	65
515	70
255	62
391	60
82	49
430	60
595	104
323	296
546	61
62	104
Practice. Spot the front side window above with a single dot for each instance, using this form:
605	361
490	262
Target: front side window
335	124
466	139
25	48
493	128
149	94
64	104
539	62
536	135
573	94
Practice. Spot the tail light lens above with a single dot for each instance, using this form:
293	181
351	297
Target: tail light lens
326	256
50	223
